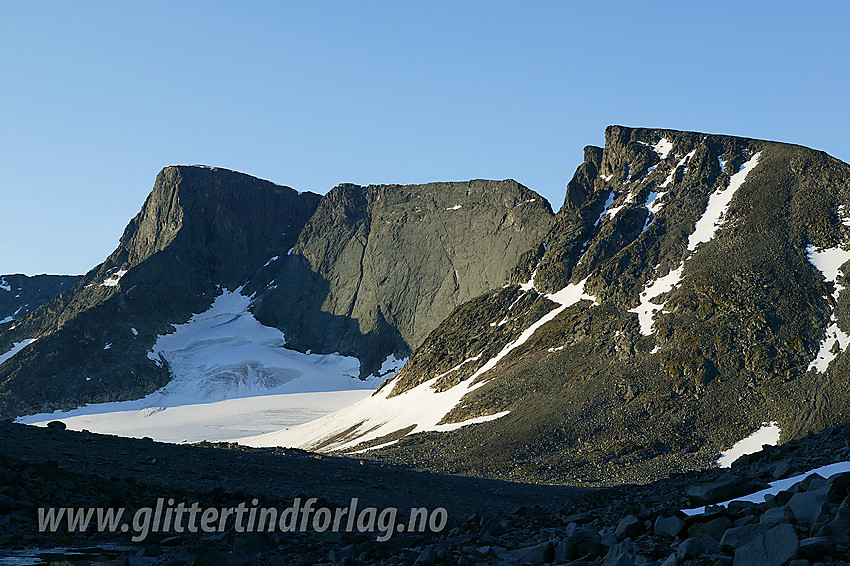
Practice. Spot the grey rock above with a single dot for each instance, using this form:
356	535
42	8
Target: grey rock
777	515
370	255
582	541
713	528
737	537
628	527
694	547
668	526
770	548
620	560
816	548
56	426
536	554
809	506
781	470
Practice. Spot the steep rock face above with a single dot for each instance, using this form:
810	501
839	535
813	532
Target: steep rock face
22	294
689	291
200	229
377	268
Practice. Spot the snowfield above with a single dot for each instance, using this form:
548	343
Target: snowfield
231	377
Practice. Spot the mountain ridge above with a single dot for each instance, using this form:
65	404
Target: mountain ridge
205	229
708	310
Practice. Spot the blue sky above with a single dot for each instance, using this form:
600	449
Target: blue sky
96	97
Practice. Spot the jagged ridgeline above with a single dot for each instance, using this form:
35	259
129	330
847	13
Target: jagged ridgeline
364	271
688	291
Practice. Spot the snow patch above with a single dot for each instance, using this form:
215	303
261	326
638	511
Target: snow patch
825	472
455	207
134	331
767	434
608	203
391	366
16	347
663	148
672	174
718	203
5	286
108	346
113	281
420	409
829	261
269	262
566	297
647	307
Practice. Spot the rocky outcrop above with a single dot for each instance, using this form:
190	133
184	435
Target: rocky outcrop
22	294
200	230
377	268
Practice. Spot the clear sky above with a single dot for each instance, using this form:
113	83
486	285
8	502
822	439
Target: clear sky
96	97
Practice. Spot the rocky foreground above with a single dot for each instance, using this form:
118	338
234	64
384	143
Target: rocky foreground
490	522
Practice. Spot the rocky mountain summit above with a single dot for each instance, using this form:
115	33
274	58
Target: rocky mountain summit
689	290
199	230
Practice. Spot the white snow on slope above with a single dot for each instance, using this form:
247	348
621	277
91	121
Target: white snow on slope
672	173
718	204
225	352
663	148
391	365
269	262
608	202
374	417
420	408
16	347
653	201
829	262
5	286
113	281
193	422
455	207
568	296
767	434
825	472
705	229
648	307
232	377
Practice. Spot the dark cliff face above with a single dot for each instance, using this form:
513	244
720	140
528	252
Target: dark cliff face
199	230
365	271
22	294
706	321
377	268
